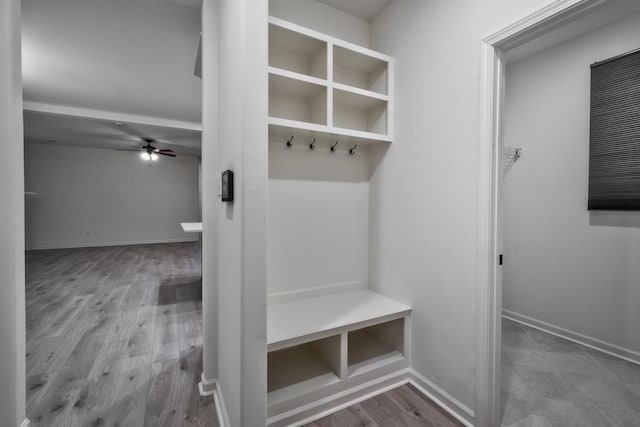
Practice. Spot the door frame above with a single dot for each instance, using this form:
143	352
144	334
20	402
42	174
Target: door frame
489	273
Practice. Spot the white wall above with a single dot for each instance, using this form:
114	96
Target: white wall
318	219
423	226
209	172
91	197
564	265
320	17
12	311
241	260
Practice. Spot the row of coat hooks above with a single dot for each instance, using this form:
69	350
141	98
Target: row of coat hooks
333	148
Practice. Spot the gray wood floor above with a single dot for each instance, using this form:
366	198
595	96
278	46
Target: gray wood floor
114	337
400	407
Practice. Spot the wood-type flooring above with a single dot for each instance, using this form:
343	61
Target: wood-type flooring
114	337
401	407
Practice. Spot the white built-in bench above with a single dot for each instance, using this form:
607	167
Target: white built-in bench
319	342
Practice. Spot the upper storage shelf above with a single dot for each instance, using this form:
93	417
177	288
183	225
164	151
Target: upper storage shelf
359	70
297	52
326	88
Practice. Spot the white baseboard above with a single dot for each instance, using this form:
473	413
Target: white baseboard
451	405
221	408
339	401
318	291
206	386
103	244
587	341
25	423
366	391
211	387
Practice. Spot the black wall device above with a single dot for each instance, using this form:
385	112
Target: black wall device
227	186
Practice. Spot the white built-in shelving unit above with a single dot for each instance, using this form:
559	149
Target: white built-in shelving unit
327	88
323	346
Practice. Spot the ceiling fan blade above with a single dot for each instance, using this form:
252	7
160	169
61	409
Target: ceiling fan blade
163	151
166	154
126	149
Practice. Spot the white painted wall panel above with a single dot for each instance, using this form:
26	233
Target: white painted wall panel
91	197
564	265
318	219
12	302
242	148
423	226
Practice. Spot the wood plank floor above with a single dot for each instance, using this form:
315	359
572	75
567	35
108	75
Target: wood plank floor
401	407
114	337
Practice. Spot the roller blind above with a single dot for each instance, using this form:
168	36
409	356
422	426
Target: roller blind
614	142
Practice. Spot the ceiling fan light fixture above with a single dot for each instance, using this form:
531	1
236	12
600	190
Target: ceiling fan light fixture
154	157
145	155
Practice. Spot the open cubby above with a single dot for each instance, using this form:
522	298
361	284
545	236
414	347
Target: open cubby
375	343
359	70
359	112
297	100
293	51
327	86
315	360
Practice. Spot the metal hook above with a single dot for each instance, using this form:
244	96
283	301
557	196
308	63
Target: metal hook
312	146
289	144
333	147
352	151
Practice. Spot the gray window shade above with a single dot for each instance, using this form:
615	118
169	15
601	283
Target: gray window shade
614	148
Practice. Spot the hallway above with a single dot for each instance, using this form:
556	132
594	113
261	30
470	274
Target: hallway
114	337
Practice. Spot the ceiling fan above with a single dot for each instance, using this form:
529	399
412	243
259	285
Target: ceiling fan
149	152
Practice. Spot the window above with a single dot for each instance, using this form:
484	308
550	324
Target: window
614	149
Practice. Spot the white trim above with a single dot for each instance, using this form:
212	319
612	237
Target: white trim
297	76
39	107
207	387
211	387
221	408
353	401
352	396
362	92
489	304
539	22
567	334
101	244
443	399
331	130
317	291
25	423
487	391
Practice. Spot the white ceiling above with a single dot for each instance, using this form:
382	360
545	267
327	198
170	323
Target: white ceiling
48	128
132	57
365	9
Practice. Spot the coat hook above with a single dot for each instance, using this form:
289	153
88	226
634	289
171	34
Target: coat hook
333	147
352	151
312	146
289	144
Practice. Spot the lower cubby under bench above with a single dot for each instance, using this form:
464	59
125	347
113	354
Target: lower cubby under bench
324	347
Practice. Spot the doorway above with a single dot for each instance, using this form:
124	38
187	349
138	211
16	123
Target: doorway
558	22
